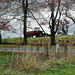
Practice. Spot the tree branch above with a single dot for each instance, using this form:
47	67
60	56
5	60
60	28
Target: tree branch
37	22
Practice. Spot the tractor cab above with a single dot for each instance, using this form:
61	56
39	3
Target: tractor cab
36	29
36	32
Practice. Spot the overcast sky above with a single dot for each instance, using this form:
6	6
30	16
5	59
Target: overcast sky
16	25
6	34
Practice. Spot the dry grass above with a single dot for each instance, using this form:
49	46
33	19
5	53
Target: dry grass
37	62
40	61
71	58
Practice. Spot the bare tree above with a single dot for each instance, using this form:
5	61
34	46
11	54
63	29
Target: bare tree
16	8
29	8
25	9
32	8
56	8
4	4
53	7
5	26
70	6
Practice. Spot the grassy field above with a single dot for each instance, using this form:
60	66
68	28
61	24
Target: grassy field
44	66
20	39
15	42
55	68
39	39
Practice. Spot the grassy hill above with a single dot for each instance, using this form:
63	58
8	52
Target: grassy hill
19	40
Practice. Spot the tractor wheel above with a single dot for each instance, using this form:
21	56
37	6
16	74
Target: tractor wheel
31	35
40	34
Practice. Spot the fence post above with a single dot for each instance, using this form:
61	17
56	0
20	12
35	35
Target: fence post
37	54
57	51
7	61
49	49
37	48
41	43
31	49
6	48
65	51
18	48
46	49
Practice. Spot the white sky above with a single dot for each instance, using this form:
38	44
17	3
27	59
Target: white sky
16	24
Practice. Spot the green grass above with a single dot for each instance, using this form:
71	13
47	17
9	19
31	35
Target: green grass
63	68
71	39
66	37
13	46
4	70
32	40
27	46
3	61
20	39
20	46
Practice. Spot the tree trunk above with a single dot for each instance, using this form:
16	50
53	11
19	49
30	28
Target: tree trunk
52	30
52	34
25	9
25	32
52	39
0	38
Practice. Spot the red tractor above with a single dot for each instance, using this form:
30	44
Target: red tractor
36	32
